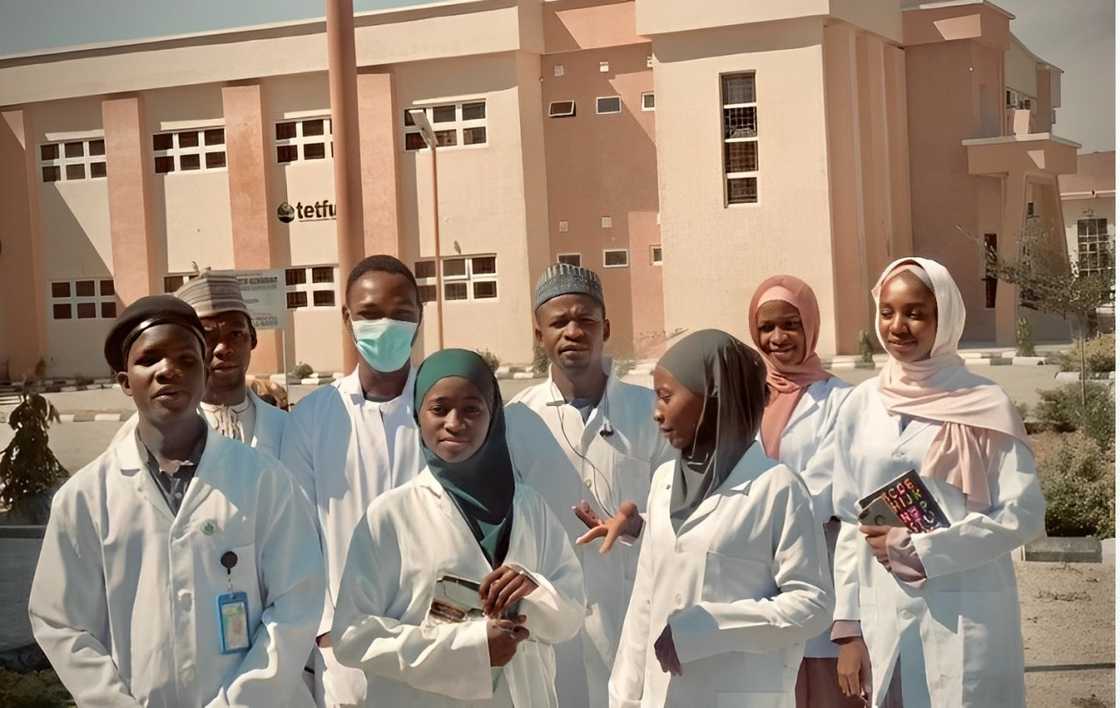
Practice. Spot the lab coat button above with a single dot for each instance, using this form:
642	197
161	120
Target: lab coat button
587	483
678	599
185	600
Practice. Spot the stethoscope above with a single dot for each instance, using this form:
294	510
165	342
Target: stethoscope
606	430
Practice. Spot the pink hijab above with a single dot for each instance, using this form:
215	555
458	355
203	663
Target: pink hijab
787	381
941	389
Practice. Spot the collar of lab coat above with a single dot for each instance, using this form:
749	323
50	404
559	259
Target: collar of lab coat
600	412
750	467
810	401
131	463
352	385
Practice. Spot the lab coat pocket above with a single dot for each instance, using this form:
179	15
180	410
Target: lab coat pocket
728	579
989	636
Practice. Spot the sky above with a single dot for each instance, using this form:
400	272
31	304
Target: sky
1075	35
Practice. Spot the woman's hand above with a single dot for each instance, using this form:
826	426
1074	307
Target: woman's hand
853	668
876	537
502	638
504	587
627	522
666	652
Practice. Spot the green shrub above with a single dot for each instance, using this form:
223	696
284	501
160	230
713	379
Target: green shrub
303	370
490	358
1078	480
1062	408
1024	409
1100	355
540	360
29	471
866	347
35	689
623	367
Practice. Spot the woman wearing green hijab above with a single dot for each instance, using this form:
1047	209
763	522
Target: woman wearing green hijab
732	577
458	583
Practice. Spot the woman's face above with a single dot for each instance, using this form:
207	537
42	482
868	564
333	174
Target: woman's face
454	419
677	410
907	318
780	334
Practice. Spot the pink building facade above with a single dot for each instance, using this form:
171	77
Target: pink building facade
683	155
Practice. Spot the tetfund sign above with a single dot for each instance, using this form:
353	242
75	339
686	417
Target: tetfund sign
319	211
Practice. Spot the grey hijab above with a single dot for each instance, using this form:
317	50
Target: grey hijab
731	377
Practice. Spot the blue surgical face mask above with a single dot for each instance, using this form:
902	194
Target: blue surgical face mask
385	344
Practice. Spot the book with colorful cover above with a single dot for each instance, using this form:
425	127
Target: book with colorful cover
905	502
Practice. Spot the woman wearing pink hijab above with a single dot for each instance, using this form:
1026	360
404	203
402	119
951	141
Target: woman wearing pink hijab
796	427
938	610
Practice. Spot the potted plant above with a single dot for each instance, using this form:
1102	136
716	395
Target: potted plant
29	471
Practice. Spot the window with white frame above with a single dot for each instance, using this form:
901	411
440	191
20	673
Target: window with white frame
464	278
648	103
173	281
1016	99
561	109
72	160
655	254
740	138
310	287
574	259
607	105
1094	247
453	124
616	258
197	149
303	139
85	299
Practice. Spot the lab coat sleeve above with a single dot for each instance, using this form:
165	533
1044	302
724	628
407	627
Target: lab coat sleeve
803	607
292	576
1017	515
68	608
628	675
449	659
554	612
845	572
297	456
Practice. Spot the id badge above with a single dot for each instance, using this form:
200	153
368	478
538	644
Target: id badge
233	622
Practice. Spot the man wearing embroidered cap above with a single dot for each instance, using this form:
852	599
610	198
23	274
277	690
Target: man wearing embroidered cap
587	442
179	567
230	406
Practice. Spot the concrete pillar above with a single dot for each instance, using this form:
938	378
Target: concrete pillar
845	177
129	168
380	159
24	310
900	240
877	192
1014	216
254	237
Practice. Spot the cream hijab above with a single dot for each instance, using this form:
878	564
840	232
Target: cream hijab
941	389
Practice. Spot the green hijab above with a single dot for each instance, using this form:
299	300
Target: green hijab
481	485
731	378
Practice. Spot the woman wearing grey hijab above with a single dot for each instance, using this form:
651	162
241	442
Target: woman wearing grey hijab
732	578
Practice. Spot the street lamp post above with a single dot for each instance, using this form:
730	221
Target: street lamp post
420	120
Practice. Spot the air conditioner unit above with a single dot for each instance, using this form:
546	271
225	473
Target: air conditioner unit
561	109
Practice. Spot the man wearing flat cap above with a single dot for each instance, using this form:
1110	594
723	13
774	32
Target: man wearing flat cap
587	442
179	568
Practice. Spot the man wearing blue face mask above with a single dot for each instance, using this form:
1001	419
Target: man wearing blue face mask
350	442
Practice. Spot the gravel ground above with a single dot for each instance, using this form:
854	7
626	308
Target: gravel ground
1068	613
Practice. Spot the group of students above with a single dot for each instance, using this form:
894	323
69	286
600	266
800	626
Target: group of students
697	544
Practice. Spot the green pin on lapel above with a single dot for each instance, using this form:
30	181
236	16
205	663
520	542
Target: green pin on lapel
209	528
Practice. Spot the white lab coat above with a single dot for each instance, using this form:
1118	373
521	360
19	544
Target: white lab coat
805	450
268	428
566	460
413	535
957	639
345	452
124	601
743	586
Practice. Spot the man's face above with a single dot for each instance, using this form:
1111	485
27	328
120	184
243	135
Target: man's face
230	339
377	295
572	330
165	374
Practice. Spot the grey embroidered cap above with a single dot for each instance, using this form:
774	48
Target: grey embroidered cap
212	294
566	279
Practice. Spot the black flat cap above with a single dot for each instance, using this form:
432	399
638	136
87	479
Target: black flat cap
148	312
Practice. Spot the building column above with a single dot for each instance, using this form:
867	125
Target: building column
254	230
845	177
380	158
23	320
877	192
900	240
128	167
1014	218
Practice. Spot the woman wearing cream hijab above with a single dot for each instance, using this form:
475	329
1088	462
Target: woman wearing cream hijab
939	610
